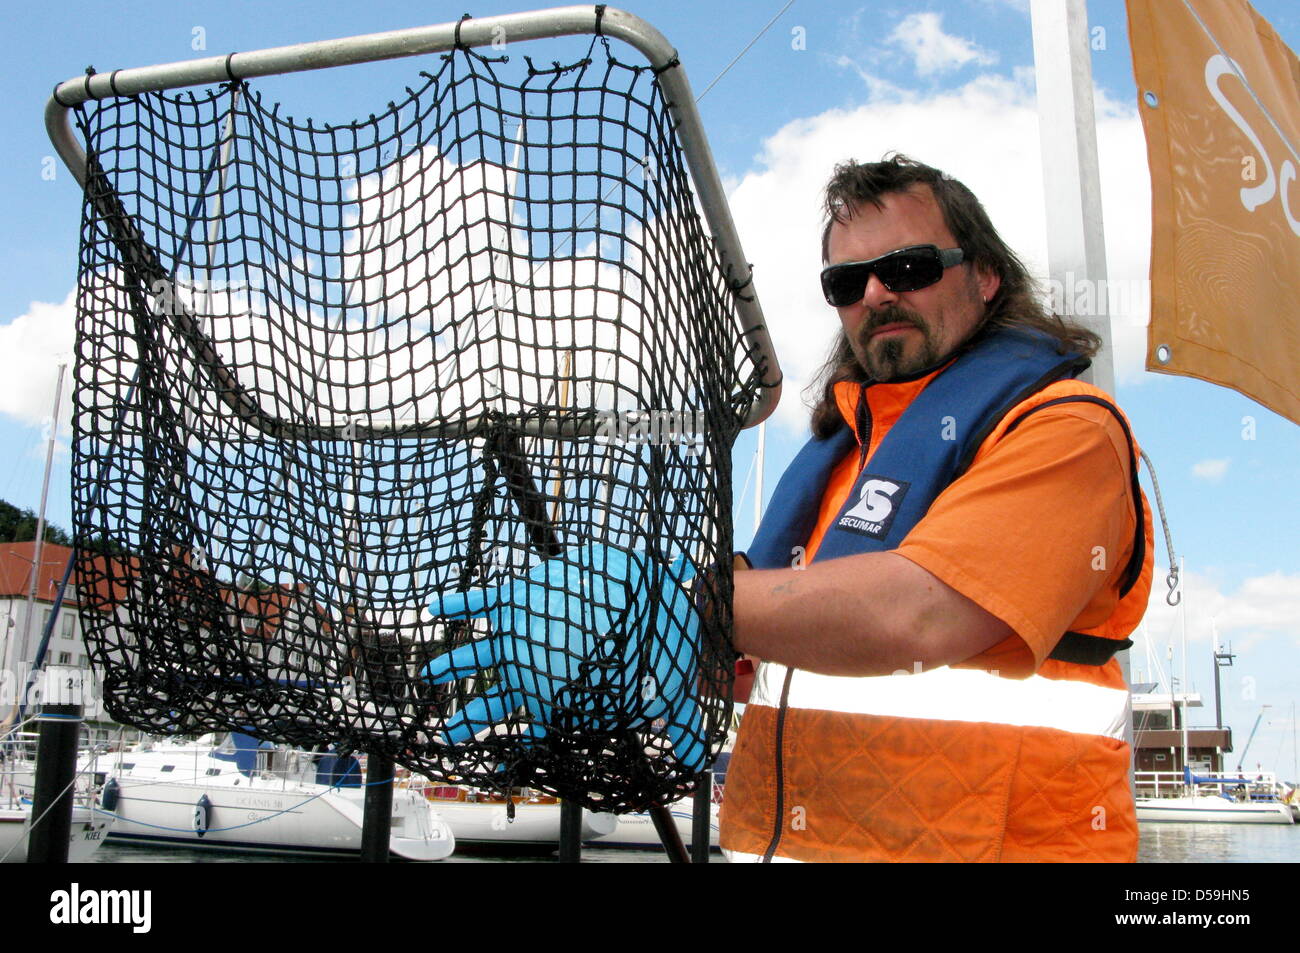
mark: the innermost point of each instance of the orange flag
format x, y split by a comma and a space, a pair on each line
1219, 94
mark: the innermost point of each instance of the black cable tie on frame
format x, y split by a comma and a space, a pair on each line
90, 71
557, 68
738, 286
230, 74
458, 44
671, 64
55, 96
112, 82
600, 15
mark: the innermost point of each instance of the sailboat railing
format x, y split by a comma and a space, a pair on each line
1256, 785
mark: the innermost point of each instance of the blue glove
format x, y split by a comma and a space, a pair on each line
565, 637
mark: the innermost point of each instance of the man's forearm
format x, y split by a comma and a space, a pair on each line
871, 614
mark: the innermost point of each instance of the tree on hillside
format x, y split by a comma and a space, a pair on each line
19, 526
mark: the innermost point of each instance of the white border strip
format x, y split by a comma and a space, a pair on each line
949, 694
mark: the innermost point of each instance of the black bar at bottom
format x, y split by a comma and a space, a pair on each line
702, 818
56, 769
378, 822
669, 835
570, 832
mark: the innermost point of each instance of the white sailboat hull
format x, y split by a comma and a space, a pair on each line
1211, 809
535, 825
294, 820
89, 831
638, 829
260, 814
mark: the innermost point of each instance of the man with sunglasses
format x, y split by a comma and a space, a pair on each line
948, 567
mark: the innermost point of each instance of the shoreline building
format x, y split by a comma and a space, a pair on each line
19, 642
1158, 734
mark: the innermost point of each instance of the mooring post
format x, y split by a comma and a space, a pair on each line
570, 832
56, 770
702, 819
377, 821
669, 835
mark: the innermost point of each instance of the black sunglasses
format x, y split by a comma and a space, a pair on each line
907, 269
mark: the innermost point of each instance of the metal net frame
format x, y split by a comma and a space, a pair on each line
478, 352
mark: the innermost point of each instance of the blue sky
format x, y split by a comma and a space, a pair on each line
950, 82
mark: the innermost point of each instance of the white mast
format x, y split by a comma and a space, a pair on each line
17, 651
1182, 622
1067, 129
1076, 244
38, 550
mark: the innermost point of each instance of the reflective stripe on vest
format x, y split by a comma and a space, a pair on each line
954, 694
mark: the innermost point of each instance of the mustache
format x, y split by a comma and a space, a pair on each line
894, 314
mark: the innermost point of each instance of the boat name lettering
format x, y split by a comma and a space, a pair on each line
270, 803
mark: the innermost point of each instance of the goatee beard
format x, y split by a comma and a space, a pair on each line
887, 359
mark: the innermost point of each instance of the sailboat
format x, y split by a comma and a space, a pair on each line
1200, 794
89, 827
1219, 798
231, 792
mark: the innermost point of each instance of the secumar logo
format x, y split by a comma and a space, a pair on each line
878, 501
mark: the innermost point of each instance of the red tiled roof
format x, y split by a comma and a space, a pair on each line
262, 611
16, 570
110, 579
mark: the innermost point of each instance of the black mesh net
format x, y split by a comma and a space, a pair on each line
413, 435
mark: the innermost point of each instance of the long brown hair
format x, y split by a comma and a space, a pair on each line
1016, 303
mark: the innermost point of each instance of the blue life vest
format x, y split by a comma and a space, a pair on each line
931, 444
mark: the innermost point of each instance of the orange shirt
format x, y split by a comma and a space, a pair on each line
1037, 531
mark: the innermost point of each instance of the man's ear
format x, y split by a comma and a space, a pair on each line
989, 282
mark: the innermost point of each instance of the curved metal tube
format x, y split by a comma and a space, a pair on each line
561, 21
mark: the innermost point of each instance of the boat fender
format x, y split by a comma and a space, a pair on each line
109, 795
202, 815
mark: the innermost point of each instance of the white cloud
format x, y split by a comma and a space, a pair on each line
439, 308
1126, 217
877, 88
1258, 622
1019, 6
986, 134
1210, 470
933, 51
38, 451
1261, 608
438, 287
33, 345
